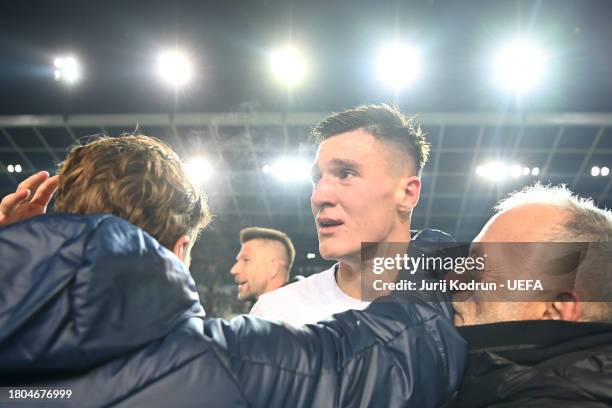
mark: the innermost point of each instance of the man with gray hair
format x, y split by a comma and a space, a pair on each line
542, 348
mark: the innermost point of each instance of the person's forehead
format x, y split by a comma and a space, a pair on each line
356, 145
531, 222
256, 246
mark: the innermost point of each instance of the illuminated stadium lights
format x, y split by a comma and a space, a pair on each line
66, 69
174, 68
597, 171
398, 65
310, 255
199, 170
289, 170
497, 171
519, 67
16, 168
288, 66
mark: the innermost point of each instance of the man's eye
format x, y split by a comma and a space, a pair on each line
346, 173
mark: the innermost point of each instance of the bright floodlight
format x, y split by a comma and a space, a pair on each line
288, 66
595, 171
199, 170
66, 69
10, 168
498, 171
516, 171
605, 171
289, 170
18, 168
493, 171
519, 67
174, 68
398, 65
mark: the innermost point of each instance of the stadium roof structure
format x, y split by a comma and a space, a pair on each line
564, 146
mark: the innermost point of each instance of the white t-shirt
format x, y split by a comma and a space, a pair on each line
307, 301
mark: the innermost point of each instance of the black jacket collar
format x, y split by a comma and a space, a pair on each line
529, 342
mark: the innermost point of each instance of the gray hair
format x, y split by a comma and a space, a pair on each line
587, 224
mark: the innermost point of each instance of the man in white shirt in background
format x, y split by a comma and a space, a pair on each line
366, 182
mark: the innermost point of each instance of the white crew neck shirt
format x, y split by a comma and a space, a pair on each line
307, 301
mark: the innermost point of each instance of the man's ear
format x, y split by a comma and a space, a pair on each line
275, 268
410, 193
181, 248
566, 306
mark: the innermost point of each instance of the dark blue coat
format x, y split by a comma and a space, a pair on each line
95, 305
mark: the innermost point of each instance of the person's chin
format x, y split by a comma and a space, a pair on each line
329, 251
244, 295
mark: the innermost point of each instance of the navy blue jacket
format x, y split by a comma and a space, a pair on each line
95, 305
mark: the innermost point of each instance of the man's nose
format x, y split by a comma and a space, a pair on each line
234, 270
323, 194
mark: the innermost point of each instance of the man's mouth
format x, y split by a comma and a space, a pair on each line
328, 225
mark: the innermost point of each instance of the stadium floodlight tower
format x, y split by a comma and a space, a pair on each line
288, 66
67, 69
398, 65
519, 67
175, 68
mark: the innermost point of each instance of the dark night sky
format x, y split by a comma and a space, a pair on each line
117, 44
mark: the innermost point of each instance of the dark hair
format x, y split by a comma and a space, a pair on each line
270, 234
137, 178
384, 122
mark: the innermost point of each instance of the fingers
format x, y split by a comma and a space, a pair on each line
18, 205
10, 202
45, 191
34, 181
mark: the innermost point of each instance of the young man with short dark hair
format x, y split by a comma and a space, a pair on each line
366, 182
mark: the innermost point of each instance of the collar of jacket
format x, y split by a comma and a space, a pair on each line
529, 342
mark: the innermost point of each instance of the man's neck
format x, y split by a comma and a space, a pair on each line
348, 279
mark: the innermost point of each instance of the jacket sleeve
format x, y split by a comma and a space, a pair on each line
396, 352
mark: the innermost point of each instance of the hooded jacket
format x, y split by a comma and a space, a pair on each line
94, 305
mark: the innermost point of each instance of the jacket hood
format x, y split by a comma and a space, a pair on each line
80, 290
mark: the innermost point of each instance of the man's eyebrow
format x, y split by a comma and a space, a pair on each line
337, 163
345, 163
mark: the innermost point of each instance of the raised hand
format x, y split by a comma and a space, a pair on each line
30, 199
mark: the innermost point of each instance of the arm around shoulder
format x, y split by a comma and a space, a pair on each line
392, 353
